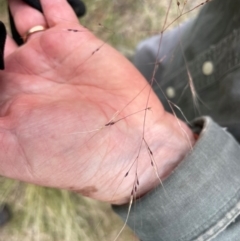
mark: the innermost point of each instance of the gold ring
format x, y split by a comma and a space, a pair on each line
35, 29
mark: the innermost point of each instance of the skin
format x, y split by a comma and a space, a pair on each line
58, 93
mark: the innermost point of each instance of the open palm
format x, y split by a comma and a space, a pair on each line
59, 92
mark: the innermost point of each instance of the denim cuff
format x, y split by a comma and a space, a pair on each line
199, 199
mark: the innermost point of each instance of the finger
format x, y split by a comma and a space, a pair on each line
10, 46
25, 17
57, 12
77, 5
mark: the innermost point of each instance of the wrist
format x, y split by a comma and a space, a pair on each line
169, 141
178, 142
142, 159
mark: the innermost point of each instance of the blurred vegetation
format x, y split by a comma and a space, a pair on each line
48, 214
124, 23
53, 215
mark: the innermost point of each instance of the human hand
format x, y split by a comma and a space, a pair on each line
77, 5
61, 94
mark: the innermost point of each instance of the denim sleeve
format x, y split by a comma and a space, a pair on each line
200, 199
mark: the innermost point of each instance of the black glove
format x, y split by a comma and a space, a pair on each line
77, 5
3, 35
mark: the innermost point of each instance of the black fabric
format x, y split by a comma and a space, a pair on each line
5, 214
3, 35
77, 5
